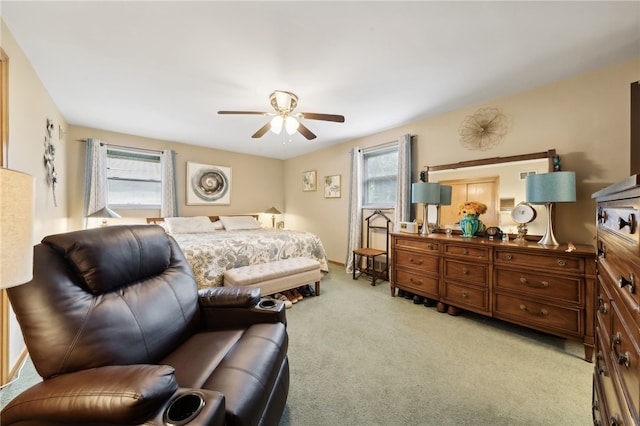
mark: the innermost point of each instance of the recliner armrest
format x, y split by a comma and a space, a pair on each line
225, 307
230, 297
121, 394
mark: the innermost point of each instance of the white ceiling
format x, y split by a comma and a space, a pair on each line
163, 69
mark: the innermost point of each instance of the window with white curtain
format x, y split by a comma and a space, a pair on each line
380, 176
134, 179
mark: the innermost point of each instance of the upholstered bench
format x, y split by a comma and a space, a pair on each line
274, 277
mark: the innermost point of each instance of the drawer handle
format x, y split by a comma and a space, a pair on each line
599, 368
414, 281
508, 257
602, 306
561, 262
602, 216
465, 251
629, 283
430, 246
541, 313
630, 222
465, 271
465, 295
416, 262
623, 359
542, 284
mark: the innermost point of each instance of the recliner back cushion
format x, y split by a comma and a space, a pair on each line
109, 258
78, 313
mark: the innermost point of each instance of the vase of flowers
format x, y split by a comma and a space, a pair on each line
470, 224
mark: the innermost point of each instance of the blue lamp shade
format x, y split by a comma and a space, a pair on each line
556, 187
425, 192
445, 195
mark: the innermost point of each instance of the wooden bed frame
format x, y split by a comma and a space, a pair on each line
211, 218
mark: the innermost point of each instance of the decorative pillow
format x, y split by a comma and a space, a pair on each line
234, 223
218, 226
189, 225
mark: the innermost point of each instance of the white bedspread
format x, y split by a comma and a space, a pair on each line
210, 254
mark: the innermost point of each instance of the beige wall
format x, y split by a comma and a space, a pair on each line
256, 182
586, 118
29, 107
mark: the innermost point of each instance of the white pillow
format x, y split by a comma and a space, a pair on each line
189, 225
218, 226
234, 223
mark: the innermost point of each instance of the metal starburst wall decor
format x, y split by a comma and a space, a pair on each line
484, 129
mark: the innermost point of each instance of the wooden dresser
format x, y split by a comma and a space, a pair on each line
616, 383
545, 288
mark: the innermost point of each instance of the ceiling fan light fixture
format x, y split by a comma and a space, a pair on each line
291, 124
276, 124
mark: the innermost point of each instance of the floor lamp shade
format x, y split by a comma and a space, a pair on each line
17, 200
549, 188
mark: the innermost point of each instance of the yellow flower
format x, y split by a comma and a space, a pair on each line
471, 207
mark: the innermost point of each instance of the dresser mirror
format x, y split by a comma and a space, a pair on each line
498, 182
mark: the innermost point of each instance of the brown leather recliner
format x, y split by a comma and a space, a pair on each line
120, 334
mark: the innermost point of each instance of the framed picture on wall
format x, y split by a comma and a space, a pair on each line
208, 184
332, 186
309, 180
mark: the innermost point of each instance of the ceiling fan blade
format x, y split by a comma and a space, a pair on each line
304, 131
262, 130
244, 112
324, 117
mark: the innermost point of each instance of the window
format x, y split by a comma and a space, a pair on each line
380, 176
134, 179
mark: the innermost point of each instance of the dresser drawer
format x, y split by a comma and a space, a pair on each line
416, 243
603, 309
625, 355
620, 218
477, 273
539, 315
604, 374
558, 262
562, 289
468, 251
419, 261
618, 270
420, 283
468, 297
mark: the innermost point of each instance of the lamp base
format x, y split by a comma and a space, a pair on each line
425, 221
548, 239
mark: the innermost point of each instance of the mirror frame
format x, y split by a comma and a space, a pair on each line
550, 155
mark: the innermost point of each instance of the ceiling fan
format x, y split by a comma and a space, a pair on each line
284, 103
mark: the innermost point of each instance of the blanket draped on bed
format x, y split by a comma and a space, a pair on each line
210, 254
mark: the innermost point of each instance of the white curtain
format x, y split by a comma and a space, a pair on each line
95, 181
355, 207
169, 204
403, 192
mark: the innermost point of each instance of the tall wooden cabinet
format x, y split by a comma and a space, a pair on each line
616, 379
544, 288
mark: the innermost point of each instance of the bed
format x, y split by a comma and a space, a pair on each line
214, 244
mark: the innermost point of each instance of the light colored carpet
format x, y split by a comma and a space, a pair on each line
360, 357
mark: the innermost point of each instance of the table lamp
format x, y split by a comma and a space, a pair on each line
549, 188
425, 193
273, 212
16, 227
105, 213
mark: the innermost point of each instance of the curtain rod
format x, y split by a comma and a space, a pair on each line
131, 148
